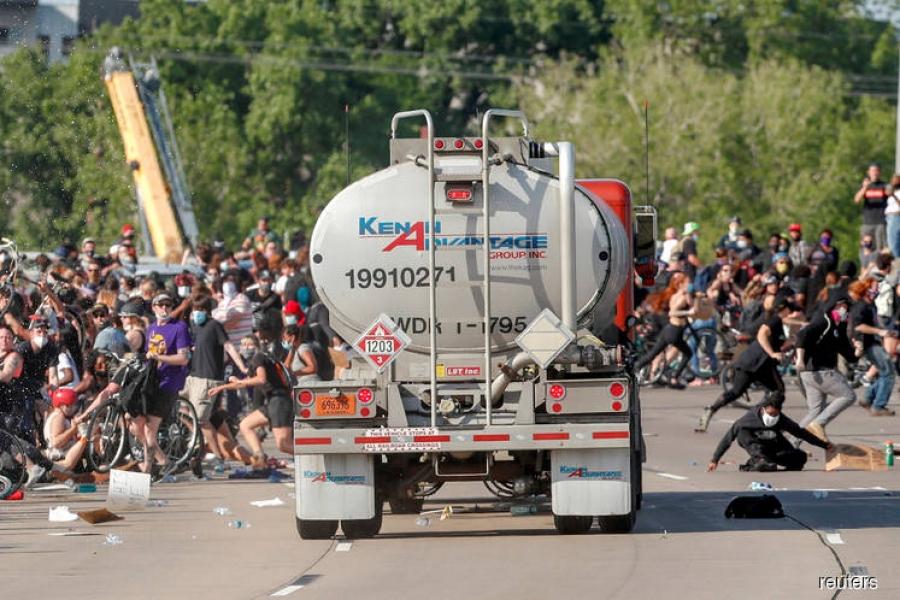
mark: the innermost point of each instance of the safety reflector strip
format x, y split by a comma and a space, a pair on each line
490, 437
431, 438
313, 441
545, 437
610, 435
375, 439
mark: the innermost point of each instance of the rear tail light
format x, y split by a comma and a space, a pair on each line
557, 391
438, 144
617, 389
459, 194
305, 414
305, 398
479, 143
616, 405
365, 396
458, 144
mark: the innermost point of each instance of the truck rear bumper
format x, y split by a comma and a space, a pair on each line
308, 440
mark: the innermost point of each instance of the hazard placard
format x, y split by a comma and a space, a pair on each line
381, 342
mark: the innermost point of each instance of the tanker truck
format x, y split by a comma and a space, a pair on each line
487, 295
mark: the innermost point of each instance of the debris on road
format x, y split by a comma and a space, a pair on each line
112, 539
98, 516
758, 486
61, 514
222, 511
266, 503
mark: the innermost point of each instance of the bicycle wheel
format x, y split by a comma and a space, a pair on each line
179, 434
106, 438
708, 344
13, 471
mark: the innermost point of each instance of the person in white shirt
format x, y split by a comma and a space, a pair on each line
669, 244
892, 216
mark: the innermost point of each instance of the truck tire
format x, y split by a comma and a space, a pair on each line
617, 523
356, 529
405, 506
316, 530
569, 525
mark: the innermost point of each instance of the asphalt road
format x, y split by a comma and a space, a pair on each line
682, 546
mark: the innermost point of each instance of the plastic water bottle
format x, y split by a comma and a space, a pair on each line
222, 511
238, 524
85, 488
423, 521
112, 540
521, 510
889, 453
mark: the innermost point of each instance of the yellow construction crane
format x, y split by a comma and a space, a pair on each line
151, 152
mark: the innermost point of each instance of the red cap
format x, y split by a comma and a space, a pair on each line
794, 227
293, 308
64, 397
127, 229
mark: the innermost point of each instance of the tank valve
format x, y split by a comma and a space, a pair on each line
447, 406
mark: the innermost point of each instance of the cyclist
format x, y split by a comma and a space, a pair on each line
677, 298
759, 363
276, 409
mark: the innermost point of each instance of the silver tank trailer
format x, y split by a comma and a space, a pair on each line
369, 255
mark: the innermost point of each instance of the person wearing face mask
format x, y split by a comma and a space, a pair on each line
207, 371
761, 433
799, 249
867, 252
266, 307
40, 355
729, 240
234, 310
824, 256
865, 326
818, 346
275, 408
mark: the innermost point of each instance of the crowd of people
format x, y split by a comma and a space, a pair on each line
798, 305
232, 332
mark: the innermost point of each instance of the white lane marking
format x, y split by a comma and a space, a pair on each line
343, 547
670, 476
287, 590
834, 538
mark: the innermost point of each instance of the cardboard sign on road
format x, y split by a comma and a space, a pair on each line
127, 490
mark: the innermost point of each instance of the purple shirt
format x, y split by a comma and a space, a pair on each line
168, 339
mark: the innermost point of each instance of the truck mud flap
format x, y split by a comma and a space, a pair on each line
335, 486
591, 481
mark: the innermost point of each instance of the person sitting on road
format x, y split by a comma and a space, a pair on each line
65, 431
276, 409
759, 363
761, 433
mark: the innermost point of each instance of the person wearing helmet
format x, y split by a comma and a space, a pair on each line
65, 430
134, 326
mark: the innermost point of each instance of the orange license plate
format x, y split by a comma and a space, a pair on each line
342, 406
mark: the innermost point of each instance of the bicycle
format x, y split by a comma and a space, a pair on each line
13, 469
109, 435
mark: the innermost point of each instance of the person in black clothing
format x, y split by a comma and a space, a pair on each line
277, 407
208, 369
759, 363
761, 433
873, 194
818, 346
266, 307
39, 353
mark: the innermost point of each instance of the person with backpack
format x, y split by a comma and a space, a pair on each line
275, 409
300, 359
